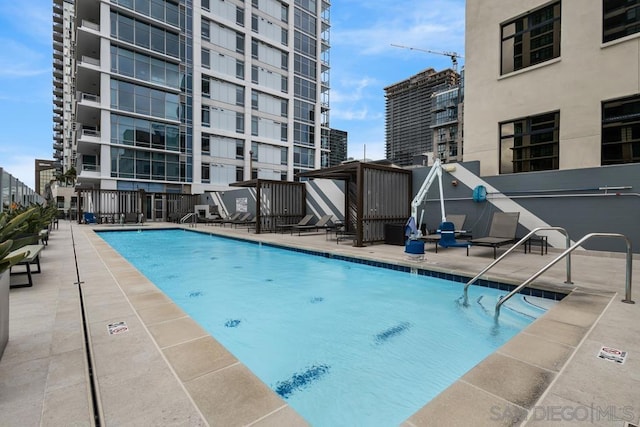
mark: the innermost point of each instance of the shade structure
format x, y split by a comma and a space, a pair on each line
277, 202
375, 195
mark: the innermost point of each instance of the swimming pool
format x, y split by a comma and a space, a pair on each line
342, 343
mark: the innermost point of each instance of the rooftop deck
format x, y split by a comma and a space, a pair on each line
166, 370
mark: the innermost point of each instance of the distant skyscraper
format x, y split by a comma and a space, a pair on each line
447, 105
184, 96
338, 145
409, 114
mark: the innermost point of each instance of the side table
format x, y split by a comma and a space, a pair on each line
539, 240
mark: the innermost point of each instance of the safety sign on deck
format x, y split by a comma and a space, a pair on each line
118, 328
612, 354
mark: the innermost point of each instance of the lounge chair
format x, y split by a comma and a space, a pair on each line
222, 221
458, 222
322, 223
504, 226
448, 237
247, 220
240, 218
306, 220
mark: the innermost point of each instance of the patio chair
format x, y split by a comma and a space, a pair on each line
306, 220
322, 223
89, 218
504, 226
458, 221
448, 238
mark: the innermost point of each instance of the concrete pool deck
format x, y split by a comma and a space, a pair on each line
166, 370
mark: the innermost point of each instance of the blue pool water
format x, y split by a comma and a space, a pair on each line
344, 344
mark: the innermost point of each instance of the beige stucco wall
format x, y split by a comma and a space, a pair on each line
586, 73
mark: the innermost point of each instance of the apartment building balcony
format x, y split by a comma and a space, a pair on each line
89, 61
87, 137
58, 155
88, 99
57, 146
89, 10
87, 170
88, 39
57, 15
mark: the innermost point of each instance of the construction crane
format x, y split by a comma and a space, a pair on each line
453, 55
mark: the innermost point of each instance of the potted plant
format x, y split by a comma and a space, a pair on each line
10, 227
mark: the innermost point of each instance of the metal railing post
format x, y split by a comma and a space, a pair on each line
511, 249
627, 298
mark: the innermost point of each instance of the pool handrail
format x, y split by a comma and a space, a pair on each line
627, 299
511, 249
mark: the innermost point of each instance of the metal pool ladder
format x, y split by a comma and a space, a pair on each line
511, 249
627, 299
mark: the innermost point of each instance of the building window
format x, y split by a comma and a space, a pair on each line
531, 39
206, 58
206, 115
530, 144
206, 173
206, 32
621, 131
206, 87
239, 173
205, 144
620, 18
239, 149
240, 16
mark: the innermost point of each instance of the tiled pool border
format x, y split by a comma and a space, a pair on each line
530, 291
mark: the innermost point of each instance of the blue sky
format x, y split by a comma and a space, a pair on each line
363, 62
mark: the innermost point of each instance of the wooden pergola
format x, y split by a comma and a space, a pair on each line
376, 195
277, 202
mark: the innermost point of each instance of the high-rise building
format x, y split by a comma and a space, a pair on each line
64, 149
551, 85
338, 145
447, 106
190, 96
409, 114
